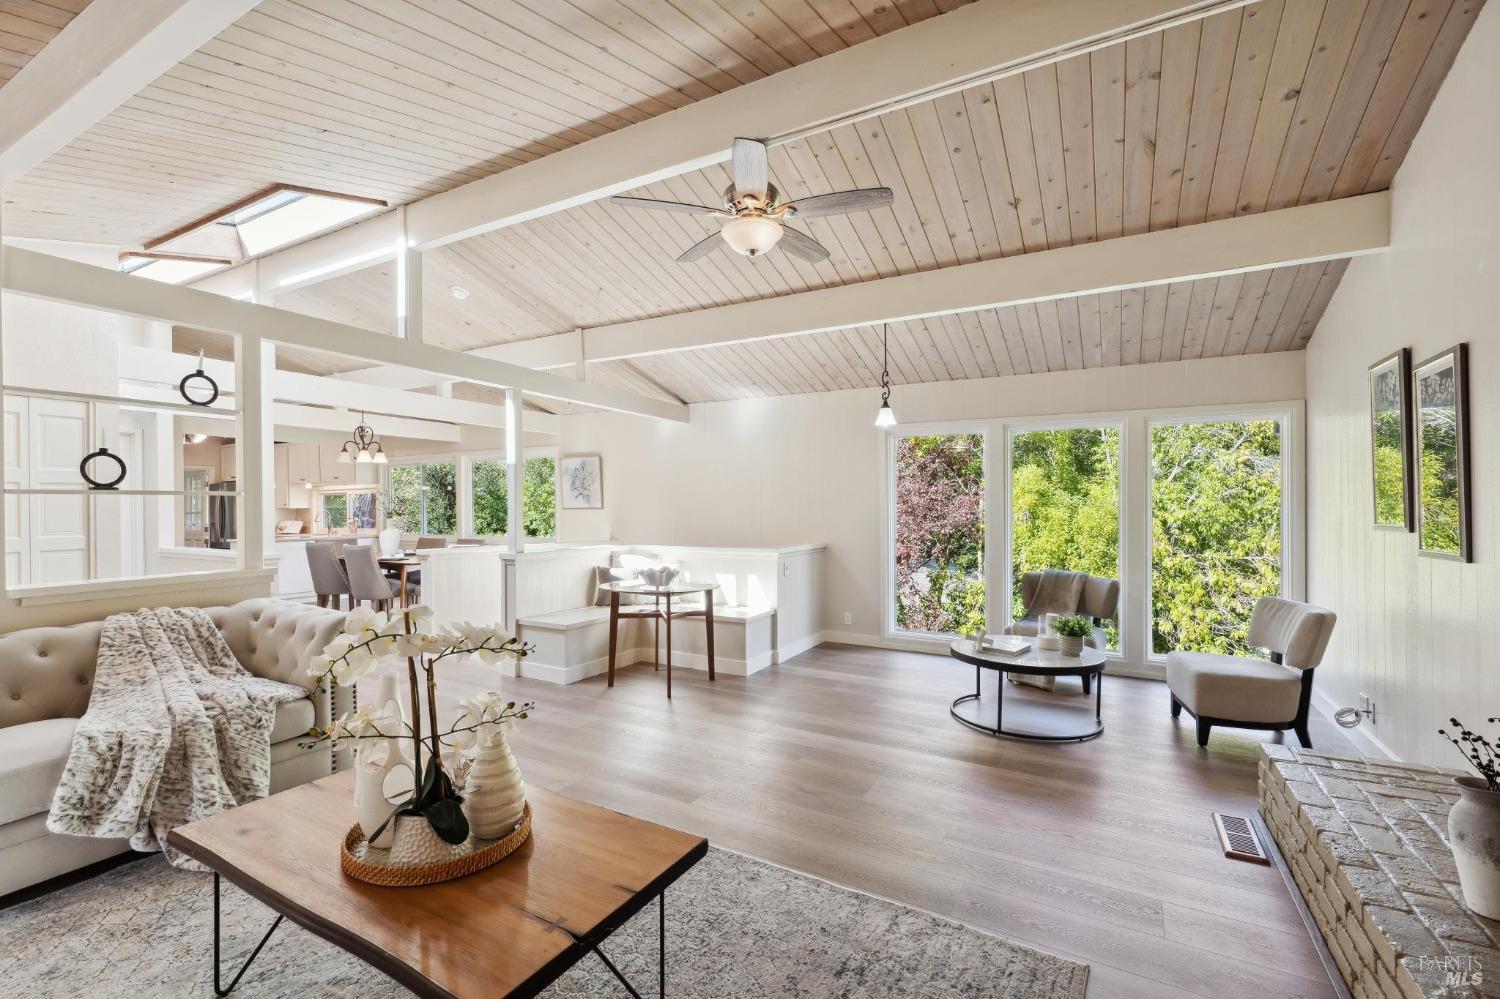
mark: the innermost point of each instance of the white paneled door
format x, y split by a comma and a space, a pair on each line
59, 528
17, 509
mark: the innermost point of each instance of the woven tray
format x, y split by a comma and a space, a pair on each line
392, 876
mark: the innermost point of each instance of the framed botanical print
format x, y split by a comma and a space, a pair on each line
1390, 441
1440, 401
582, 482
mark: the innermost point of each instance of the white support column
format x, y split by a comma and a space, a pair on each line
515, 469
1135, 539
997, 581
408, 288
254, 359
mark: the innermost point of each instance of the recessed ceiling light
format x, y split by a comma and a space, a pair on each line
459, 292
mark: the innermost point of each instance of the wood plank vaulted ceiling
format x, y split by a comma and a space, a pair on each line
1270, 105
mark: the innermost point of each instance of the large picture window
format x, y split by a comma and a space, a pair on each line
1065, 505
1216, 531
424, 497
939, 533
490, 498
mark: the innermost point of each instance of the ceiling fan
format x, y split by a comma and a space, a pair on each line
755, 214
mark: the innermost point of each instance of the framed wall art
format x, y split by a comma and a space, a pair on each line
1440, 406
1391, 441
582, 481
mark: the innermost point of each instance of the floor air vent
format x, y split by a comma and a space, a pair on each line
1238, 839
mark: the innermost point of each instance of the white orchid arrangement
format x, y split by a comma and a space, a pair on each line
371, 639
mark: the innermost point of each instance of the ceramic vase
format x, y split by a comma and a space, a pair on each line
415, 843
390, 542
1070, 645
1474, 832
494, 795
374, 762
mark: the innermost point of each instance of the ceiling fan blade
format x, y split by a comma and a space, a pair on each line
864, 200
661, 206
700, 249
751, 174
802, 246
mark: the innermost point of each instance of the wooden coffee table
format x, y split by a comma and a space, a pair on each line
509, 930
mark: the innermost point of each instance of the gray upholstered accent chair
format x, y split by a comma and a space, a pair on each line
366, 580
329, 582
1245, 692
1095, 597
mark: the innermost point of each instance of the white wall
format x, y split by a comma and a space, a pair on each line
1416, 634
806, 469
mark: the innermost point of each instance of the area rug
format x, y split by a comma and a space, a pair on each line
737, 928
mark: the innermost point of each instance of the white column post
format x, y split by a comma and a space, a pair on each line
1135, 540
997, 581
408, 287
515, 467
254, 360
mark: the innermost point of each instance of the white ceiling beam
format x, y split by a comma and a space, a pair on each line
312, 418
984, 40
37, 275
104, 56
158, 366
1333, 229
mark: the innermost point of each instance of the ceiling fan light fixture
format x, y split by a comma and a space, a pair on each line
751, 235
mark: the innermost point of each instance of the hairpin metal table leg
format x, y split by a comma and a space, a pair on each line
661, 966
224, 990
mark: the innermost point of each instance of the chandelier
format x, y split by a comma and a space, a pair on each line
363, 448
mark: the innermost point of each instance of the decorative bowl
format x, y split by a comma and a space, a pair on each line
660, 576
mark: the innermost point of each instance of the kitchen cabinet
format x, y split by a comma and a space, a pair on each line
293, 575
334, 471
302, 464
289, 495
227, 472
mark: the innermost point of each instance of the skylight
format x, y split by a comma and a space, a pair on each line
287, 217
269, 220
170, 270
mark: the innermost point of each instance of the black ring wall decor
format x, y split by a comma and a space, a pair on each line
103, 452
182, 386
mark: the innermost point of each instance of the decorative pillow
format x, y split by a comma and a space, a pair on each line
606, 574
633, 563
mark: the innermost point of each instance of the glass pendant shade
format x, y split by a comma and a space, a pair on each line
380, 458
751, 235
343, 458
885, 416
364, 456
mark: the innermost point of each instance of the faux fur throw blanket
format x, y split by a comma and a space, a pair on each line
176, 730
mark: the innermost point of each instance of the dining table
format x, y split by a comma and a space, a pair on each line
402, 564
662, 612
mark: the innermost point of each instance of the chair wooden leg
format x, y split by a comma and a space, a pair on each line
1203, 728
1176, 707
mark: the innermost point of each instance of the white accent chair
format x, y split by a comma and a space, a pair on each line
1095, 597
1246, 692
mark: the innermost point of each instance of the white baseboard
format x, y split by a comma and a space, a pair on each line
1364, 740
554, 673
796, 647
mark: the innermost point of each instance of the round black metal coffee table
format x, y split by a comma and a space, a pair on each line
1042, 723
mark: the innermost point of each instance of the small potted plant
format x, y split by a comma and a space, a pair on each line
1474, 821
1071, 631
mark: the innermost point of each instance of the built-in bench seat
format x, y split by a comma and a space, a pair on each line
573, 644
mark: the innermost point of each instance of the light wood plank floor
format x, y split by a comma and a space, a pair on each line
844, 763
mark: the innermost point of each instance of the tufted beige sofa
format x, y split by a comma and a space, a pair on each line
45, 678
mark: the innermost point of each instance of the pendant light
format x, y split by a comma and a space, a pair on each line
364, 448
885, 416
